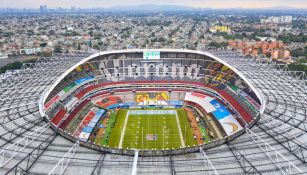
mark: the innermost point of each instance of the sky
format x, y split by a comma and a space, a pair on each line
192, 3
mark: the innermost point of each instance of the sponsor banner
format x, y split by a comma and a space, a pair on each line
176, 103
145, 103
70, 86
248, 98
121, 105
81, 80
50, 102
151, 55
92, 124
220, 112
100, 112
230, 125
201, 99
87, 129
84, 136
95, 119
198, 95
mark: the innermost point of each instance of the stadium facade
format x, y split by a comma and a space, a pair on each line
272, 139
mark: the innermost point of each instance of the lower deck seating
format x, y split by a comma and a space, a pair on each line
73, 113
108, 101
58, 116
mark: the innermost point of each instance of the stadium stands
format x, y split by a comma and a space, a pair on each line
73, 113
58, 116
281, 127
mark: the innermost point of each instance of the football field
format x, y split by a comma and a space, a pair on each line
151, 129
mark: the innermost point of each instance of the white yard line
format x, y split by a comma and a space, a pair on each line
179, 130
123, 132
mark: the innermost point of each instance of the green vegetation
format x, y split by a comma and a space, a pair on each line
14, 65
239, 36
57, 49
301, 64
301, 52
298, 67
72, 33
218, 44
301, 38
11, 66
106, 136
141, 131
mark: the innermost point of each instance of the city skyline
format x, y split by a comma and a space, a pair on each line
192, 3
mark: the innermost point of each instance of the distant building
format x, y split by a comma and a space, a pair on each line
43, 9
70, 28
3, 56
286, 19
215, 29
32, 51
276, 49
274, 54
274, 19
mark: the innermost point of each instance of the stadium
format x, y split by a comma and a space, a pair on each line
149, 111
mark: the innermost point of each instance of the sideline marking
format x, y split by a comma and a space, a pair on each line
123, 132
179, 129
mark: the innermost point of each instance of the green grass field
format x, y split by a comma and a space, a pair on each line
159, 129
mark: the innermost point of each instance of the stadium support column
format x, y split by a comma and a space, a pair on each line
135, 163
62, 165
7, 154
286, 167
208, 164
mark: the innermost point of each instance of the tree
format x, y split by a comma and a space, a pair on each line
268, 54
218, 45
51, 32
45, 54
14, 65
298, 67
57, 49
91, 33
96, 47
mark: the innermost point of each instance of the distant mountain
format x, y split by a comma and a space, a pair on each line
153, 7
170, 7
280, 8
157, 8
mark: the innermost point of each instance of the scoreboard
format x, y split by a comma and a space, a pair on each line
151, 55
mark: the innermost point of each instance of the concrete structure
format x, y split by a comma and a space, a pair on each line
275, 145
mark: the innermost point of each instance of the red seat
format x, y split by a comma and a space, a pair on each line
73, 114
58, 116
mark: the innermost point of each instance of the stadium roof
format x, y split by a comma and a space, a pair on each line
276, 144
